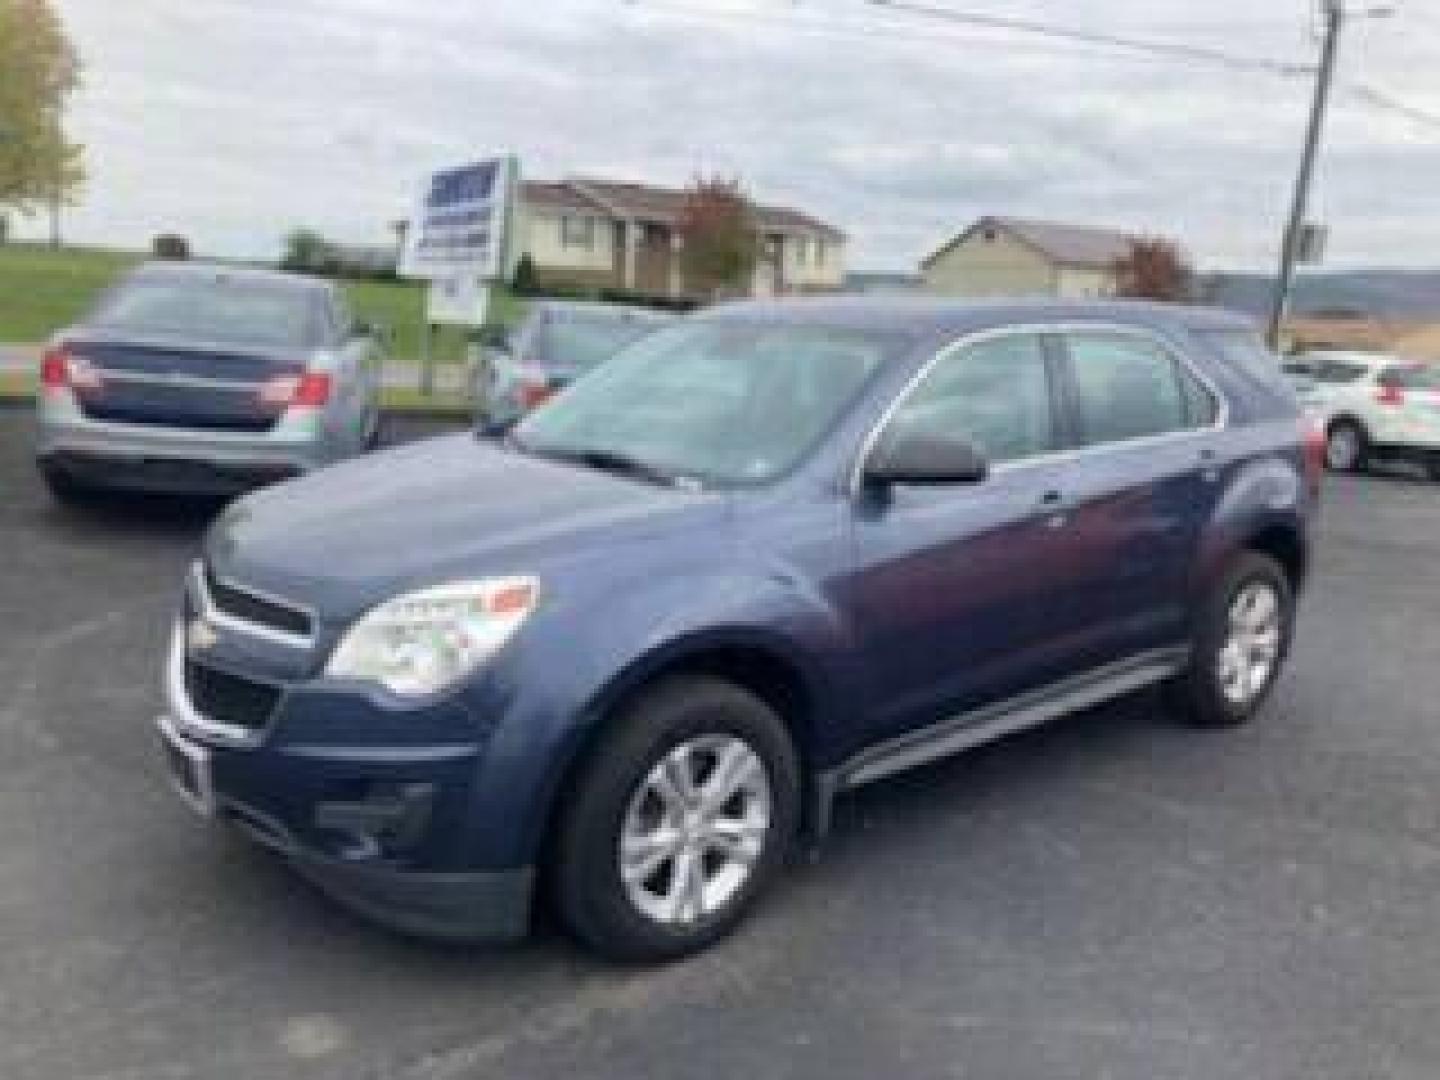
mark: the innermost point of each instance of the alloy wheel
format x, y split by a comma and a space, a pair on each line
1342, 448
1251, 650
695, 830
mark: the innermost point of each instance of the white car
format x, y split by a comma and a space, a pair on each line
1374, 407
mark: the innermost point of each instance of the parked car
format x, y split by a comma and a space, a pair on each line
200, 377
776, 551
1374, 407
557, 343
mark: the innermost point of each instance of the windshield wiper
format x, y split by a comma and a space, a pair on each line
611, 461
623, 464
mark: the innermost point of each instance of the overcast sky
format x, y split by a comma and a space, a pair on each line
233, 121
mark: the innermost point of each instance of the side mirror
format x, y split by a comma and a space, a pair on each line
916, 458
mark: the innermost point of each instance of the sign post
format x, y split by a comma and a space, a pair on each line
459, 241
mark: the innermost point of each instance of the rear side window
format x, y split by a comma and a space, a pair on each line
994, 393
1339, 372
1129, 388
1245, 351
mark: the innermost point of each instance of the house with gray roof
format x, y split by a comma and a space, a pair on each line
602, 234
1011, 256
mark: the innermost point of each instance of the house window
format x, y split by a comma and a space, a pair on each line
802, 251
819, 252
577, 232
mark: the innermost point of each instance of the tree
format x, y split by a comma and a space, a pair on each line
1154, 269
718, 234
525, 282
170, 246
307, 252
39, 70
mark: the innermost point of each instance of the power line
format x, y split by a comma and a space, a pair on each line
1387, 102
1137, 51
1172, 50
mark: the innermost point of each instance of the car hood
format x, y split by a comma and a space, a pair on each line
346, 537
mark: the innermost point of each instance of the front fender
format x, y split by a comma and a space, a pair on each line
587, 655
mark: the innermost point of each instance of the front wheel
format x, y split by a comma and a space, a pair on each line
681, 817
1242, 638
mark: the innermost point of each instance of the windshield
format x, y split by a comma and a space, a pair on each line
725, 402
229, 312
580, 343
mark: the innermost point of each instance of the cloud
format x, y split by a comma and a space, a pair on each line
235, 120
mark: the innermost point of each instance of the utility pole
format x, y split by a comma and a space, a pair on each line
1290, 250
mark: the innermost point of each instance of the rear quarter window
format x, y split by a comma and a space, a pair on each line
1245, 352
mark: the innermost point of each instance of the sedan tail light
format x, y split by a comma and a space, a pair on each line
535, 387
535, 394
309, 390
1390, 395
60, 368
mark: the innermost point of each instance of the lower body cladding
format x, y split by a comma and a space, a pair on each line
381, 828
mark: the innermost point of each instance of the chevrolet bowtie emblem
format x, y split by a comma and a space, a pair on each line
200, 635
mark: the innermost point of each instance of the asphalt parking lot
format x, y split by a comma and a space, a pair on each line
1112, 897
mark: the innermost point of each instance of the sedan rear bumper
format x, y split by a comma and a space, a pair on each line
169, 459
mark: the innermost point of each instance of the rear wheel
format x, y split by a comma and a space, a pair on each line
680, 819
1241, 641
1347, 447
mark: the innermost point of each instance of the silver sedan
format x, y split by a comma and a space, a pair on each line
199, 377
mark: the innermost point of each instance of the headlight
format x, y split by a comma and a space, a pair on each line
424, 641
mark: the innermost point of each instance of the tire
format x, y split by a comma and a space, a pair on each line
614, 800
1208, 693
375, 434
67, 491
1347, 447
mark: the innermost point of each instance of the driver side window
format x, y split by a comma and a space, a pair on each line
995, 393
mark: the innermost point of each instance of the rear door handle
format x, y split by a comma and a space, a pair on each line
1053, 501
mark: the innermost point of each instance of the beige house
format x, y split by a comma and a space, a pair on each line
607, 235
1006, 256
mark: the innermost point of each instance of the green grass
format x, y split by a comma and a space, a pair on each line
400, 308
17, 384
402, 399
43, 290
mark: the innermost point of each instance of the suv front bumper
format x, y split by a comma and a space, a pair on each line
363, 823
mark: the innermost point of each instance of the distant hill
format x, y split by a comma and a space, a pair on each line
1407, 295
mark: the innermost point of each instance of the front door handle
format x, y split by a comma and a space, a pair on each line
1209, 464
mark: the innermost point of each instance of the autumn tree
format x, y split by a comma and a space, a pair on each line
39, 70
1154, 269
720, 245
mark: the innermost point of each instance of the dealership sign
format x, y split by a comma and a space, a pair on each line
459, 235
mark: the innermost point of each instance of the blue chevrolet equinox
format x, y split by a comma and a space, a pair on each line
626, 659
